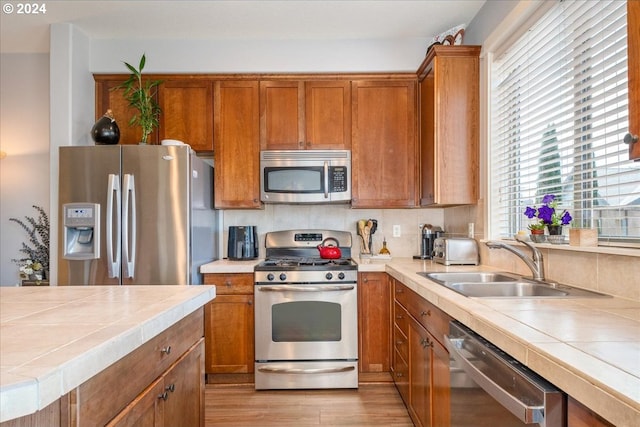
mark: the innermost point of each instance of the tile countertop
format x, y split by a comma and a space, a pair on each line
52, 339
588, 347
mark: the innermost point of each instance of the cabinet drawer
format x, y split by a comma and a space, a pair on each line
401, 318
229, 284
428, 315
400, 343
401, 376
99, 399
401, 293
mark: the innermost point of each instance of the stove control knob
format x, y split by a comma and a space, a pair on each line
270, 277
283, 277
341, 276
329, 276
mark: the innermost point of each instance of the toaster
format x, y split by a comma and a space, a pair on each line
455, 251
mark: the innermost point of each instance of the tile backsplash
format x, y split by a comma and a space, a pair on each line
276, 217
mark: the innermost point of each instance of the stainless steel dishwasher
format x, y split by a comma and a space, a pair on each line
490, 388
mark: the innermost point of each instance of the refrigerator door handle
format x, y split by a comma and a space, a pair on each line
113, 192
129, 246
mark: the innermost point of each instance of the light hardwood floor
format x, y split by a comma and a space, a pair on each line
242, 406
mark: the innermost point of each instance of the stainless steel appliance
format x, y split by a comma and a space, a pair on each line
242, 242
456, 251
135, 215
306, 324
490, 388
428, 235
305, 176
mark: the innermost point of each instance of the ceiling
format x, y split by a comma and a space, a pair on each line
235, 20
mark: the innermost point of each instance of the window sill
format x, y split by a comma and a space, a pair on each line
605, 250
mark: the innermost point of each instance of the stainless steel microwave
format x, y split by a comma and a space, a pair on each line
305, 176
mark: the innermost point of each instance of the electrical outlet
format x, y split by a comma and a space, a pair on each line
471, 231
397, 231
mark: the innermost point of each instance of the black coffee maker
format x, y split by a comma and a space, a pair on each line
428, 235
243, 242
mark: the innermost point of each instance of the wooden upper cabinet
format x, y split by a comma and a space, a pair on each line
107, 98
328, 115
384, 147
237, 144
187, 113
633, 49
298, 115
449, 126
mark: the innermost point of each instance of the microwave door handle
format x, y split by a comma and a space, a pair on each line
326, 179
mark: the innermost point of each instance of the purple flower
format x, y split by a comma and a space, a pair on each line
548, 199
530, 212
545, 213
566, 218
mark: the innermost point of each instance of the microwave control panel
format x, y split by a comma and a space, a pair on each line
338, 179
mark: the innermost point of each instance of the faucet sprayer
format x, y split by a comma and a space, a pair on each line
535, 263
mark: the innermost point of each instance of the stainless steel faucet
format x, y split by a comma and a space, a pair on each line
535, 263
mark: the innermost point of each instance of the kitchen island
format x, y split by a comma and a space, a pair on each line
55, 340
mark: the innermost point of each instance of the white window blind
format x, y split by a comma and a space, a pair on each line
559, 116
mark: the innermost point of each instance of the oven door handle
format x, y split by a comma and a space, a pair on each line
529, 414
305, 288
305, 371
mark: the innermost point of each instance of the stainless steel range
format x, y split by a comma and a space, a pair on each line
306, 307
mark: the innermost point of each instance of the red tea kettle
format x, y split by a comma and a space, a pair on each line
329, 252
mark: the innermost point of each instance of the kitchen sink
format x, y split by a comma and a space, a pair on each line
482, 284
506, 289
471, 276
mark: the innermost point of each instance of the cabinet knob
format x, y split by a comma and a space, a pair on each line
227, 283
399, 375
250, 302
164, 396
400, 316
365, 280
425, 313
166, 350
300, 143
171, 388
630, 139
400, 342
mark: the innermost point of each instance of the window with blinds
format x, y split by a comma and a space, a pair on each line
559, 116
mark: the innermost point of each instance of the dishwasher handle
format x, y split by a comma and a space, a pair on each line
529, 414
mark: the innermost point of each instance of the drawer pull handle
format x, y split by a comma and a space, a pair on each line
400, 316
164, 396
400, 342
425, 313
166, 350
399, 375
171, 388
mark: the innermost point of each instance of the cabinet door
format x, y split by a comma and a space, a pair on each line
633, 49
328, 115
187, 113
108, 98
374, 326
281, 115
449, 123
184, 388
419, 374
384, 145
229, 326
236, 144
145, 411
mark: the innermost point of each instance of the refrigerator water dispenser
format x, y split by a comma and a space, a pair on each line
81, 231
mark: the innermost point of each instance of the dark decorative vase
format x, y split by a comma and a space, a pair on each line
106, 131
554, 230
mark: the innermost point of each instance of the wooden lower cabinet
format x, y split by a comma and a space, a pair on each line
579, 415
229, 329
374, 327
174, 399
420, 366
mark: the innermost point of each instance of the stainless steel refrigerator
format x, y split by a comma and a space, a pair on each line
135, 215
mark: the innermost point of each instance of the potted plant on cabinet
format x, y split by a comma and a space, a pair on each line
142, 96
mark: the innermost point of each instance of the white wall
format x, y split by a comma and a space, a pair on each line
24, 137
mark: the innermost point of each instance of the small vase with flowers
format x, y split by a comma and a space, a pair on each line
548, 218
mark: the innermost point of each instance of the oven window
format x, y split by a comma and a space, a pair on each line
306, 321
294, 180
